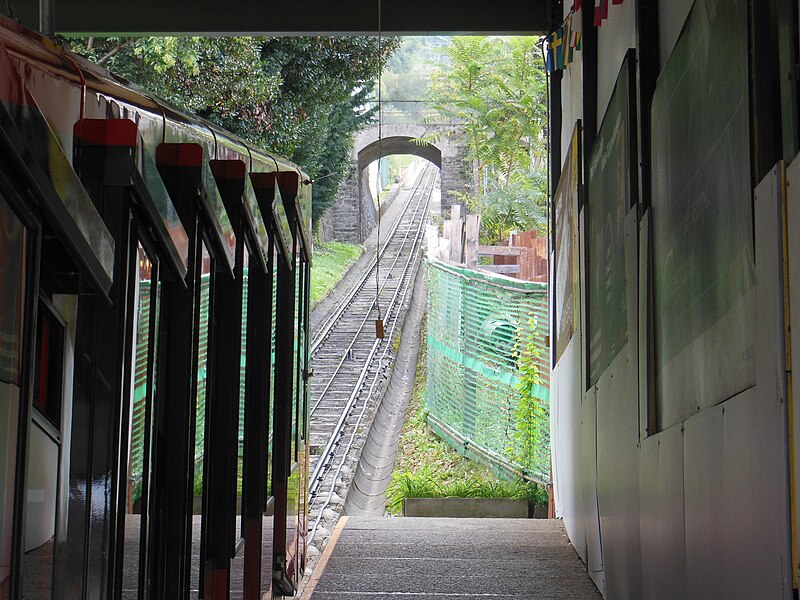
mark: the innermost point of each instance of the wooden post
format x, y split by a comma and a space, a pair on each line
471, 246
456, 234
432, 237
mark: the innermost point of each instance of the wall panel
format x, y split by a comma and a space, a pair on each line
736, 517
755, 539
565, 417
793, 216
618, 446
763, 422
704, 518
618, 477
588, 488
663, 543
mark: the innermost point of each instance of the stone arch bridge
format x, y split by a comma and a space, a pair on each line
353, 215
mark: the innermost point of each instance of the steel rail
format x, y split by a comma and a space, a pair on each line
320, 336
425, 194
368, 310
368, 362
329, 455
353, 433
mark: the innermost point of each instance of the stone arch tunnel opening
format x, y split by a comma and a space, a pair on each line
382, 171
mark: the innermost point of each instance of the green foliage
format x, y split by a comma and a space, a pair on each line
427, 483
496, 89
428, 467
197, 484
302, 97
505, 209
405, 81
331, 260
529, 415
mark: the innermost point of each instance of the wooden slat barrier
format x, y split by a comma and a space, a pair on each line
525, 258
503, 269
499, 251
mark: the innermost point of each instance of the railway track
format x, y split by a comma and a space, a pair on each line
350, 362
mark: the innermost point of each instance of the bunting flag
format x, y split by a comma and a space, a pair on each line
600, 12
558, 47
576, 5
549, 63
577, 41
567, 38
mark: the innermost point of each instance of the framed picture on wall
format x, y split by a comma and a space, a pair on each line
565, 245
612, 184
704, 280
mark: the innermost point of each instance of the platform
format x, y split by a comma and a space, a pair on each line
458, 559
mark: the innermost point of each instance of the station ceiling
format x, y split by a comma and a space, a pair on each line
298, 17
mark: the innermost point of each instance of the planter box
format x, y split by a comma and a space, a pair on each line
466, 507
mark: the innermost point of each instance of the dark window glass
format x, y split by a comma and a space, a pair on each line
137, 514
49, 365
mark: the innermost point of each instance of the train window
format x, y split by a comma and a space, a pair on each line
300, 354
272, 367
306, 359
204, 325
296, 358
202, 366
137, 514
242, 365
12, 292
47, 389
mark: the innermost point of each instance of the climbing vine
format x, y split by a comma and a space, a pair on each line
529, 435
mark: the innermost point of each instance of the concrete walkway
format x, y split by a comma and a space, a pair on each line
417, 558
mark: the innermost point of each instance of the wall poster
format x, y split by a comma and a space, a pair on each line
704, 271
612, 190
566, 246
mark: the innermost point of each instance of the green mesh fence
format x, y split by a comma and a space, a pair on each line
140, 384
488, 372
140, 378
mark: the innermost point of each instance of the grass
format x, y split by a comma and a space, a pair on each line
426, 483
331, 261
428, 467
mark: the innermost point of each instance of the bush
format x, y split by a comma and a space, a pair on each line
426, 483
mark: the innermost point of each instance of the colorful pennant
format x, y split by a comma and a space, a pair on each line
600, 12
561, 46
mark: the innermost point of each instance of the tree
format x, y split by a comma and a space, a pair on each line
406, 78
496, 88
301, 97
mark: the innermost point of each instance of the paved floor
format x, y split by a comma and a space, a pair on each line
415, 558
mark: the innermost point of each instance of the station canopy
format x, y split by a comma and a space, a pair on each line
297, 17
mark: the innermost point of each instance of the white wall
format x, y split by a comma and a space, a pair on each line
614, 37
697, 510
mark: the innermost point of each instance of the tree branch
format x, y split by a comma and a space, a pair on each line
120, 45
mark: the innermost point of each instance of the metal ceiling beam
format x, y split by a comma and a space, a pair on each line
270, 17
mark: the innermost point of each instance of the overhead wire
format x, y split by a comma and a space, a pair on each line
379, 321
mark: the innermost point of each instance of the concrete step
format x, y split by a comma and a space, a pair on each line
415, 558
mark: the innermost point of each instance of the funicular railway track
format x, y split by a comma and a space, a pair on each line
349, 361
